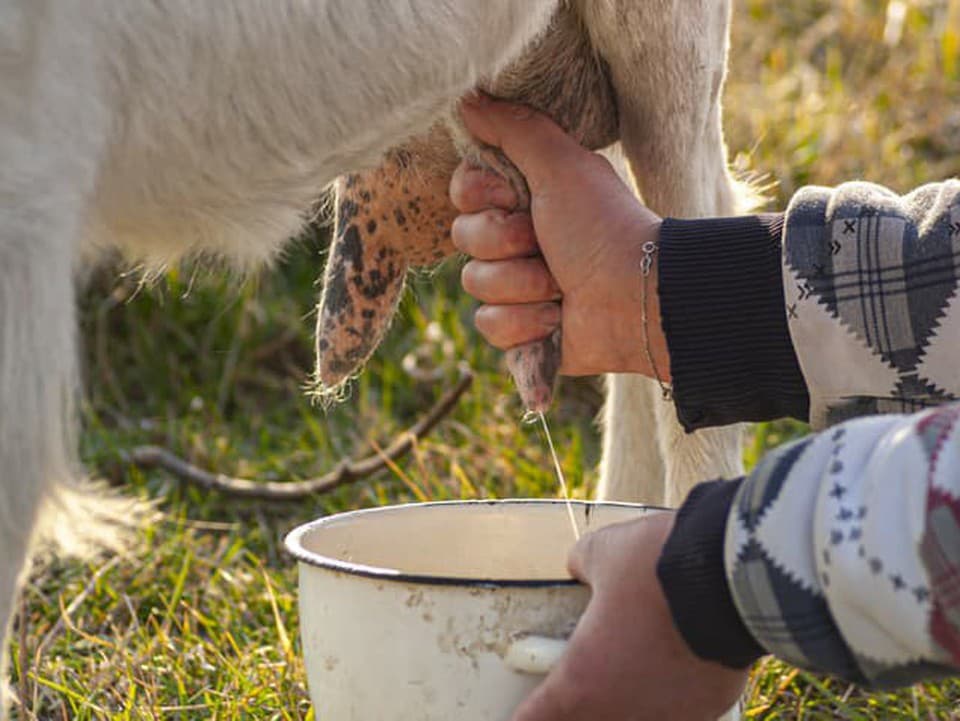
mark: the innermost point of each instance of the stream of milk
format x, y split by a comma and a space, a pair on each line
559, 471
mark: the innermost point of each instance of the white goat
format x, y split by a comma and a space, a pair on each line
184, 127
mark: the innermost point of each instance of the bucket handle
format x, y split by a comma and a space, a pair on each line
534, 655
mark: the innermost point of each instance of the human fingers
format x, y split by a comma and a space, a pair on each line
532, 141
507, 326
473, 189
494, 235
517, 280
578, 559
603, 552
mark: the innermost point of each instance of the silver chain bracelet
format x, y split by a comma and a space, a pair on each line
650, 249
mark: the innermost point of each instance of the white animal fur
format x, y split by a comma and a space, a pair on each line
668, 86
207, 128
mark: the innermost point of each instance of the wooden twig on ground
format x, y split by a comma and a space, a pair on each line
347, 471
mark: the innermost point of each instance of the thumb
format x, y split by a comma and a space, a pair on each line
578, 560
532, 141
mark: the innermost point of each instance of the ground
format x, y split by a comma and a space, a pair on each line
199, 621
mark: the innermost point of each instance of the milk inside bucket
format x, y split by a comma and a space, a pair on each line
438, 611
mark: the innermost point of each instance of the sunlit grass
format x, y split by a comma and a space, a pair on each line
199, 621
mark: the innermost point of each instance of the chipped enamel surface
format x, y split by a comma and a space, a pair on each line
413, 613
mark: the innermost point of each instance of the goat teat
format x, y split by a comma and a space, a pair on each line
388, 220
399, 215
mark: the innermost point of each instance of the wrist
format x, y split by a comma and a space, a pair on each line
655, 359
641, 345
603, 316
693, 579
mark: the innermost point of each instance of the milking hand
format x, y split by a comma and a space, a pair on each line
535, 365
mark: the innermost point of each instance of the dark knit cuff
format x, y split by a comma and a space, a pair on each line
723, 313
694, 581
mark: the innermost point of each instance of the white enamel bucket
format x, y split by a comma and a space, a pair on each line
438, 611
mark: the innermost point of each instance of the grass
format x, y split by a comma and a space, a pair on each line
200, 620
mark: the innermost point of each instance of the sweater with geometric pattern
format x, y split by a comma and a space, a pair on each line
840, 552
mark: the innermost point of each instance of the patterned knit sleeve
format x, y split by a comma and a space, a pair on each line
840, 553
842, 550
870, 285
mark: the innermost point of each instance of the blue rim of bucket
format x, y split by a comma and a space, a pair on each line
294, 546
